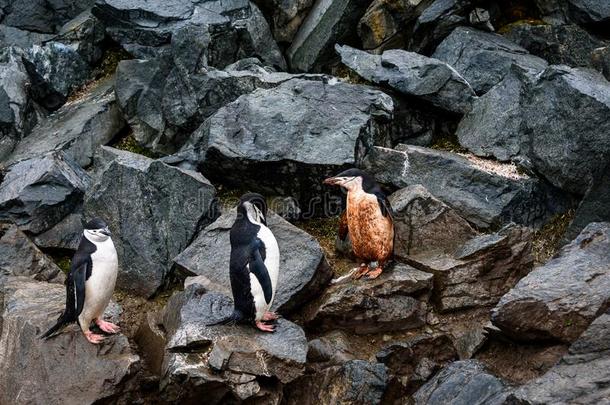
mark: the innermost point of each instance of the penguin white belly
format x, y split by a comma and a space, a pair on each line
272, 263
100, 285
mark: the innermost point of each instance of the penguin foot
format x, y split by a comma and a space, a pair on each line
270, 316
374, 273
360, 271
264, 327
94, 338
107, 326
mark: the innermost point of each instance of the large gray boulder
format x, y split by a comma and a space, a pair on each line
396, 300
486, 195
39, 192
237, 360
304, 271
561, 298
357, 382
483, 58
66, 234
481, 271
66, 369
589, 11
412, 74
45, 16
250, 143
166, 207
463, 382
78, 128
11, 36
85, 34
166, 99
234, 29
555, 124
328, 23
582, 376
20, 257
424, 225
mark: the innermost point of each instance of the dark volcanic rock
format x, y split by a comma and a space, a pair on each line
480, 271
145, 28
463, 382
66, 234
412, 362
423, 225
285, 17
328, 23
557, 44
581, 377
11, 36
41, 15
483, 58
396, 300
303, 268
555, 125
233, 359
85, 34
167, 206
356, 382
412, 74
382, 26
589, 11
332, 348
39, 192
20, 257
66, 369
560, 299
600, 60
476, 193
78, 128
250, 143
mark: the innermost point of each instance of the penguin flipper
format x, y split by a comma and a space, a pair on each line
258, 268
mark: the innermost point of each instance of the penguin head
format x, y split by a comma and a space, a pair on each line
352, 180
253, 207
97, 230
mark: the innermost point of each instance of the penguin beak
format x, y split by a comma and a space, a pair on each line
106, 232
337, 181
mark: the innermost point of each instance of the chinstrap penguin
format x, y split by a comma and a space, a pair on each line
369, 221
91, 282
254, 265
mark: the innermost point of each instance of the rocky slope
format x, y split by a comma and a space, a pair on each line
485, 122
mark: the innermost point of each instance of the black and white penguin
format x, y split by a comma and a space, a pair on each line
254, 265
91, 282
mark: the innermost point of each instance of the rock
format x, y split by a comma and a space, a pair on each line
396, 300
164, 102
20, 257
481, 271
55, 70
481, 19
38, 193
553, 126
146, 29
463, 382
68, 363
486, 195
483, 59
45, 16
436, 22
78, 128
412, 362
412, 74
581, 376
285, 17
11, 36
303, 267
383, 22
594, 207
600, 60
424, 225
85, 35
468, 342
333, 348
151, 341
355, 382
167, 206
66, 234
561, 298
249, 143
328, 23
589, 12
236, 360
557, 44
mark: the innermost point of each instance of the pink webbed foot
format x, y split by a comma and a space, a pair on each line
264, 327
270, 316
107, 326
94, 338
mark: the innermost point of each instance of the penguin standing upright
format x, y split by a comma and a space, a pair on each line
91, 282
254, 265
369, 221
